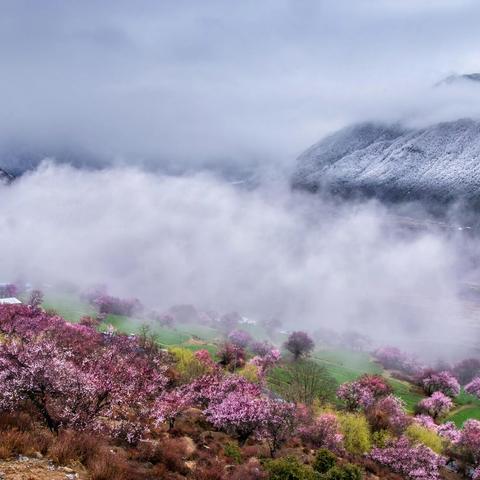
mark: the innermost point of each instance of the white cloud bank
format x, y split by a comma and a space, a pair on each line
267, 252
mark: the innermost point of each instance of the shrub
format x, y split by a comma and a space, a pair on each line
344, 472
252, 470
419, 434
324, 461
13, 442
381, 438
356, 433
70, 447
232, 450
109, 467
187, 365
250, 373
168, 452
289, 468
231, 356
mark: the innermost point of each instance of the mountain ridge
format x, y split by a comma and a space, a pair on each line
439, 163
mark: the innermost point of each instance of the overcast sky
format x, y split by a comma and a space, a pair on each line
199, 82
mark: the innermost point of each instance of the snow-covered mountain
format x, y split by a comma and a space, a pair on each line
439, 163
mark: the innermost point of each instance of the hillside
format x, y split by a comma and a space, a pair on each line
436, 165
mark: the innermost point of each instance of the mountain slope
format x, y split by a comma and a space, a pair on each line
439, 163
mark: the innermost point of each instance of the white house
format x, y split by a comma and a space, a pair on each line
9, 301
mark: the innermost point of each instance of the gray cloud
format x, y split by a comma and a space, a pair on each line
185, 83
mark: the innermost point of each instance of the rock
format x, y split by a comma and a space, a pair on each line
71, 476
189, 446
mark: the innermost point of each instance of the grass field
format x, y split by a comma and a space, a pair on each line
69, 307
346, 365
468, 406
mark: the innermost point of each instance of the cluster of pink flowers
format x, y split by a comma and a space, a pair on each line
473, 387
443, 382
170, 405
362, 393
391, 410
204, 357
447, 430
266, 362
355, 396
470, 440
240, 338
234, 405
71, 374
394, 359
437, 405
261, 348
322, 432
416, 462
108, 304
215, 387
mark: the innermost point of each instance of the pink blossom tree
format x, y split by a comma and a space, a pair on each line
388, 413
394, 359
416, 462
279, 423
240, 338
170, 405
322, 432
443, 382
437, 405
355, 395
237, 414
470, 441
71, 375
473, 387
266, 362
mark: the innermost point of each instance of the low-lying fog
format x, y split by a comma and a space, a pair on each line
264, 252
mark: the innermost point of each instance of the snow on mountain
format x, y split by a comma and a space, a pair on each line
439, 163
